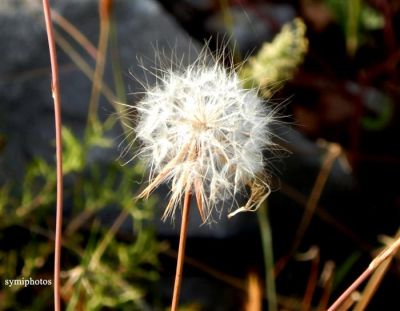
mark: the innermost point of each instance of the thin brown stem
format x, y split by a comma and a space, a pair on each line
83, 66
312, 280
181, 251
372, 285
55, 86
75, 33
389, 251
213, 272
105, 7
333, 152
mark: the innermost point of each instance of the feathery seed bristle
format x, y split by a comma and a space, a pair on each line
201, 131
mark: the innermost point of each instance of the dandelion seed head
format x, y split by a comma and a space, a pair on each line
201, 131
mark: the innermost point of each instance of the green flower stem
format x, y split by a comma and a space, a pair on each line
266, 238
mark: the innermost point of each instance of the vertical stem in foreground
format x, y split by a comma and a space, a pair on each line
266, 238
181, 251
55, 87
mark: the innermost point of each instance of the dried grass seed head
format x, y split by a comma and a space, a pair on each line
201, 131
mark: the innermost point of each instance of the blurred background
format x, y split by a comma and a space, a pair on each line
332, 69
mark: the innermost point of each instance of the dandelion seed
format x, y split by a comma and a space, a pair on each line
201, 131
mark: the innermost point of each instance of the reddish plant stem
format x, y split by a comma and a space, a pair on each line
55, 88
181, 251
350, 290
389, 251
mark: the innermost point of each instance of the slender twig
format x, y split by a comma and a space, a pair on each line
181, 251
333, 151
85, 43
324, 216
372, 285
75, 33
105, 7
83, 66
389, 251
314, 256
326, 283
55, 85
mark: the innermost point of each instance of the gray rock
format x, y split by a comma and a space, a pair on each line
26, 113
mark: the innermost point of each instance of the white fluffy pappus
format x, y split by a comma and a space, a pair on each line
201, 131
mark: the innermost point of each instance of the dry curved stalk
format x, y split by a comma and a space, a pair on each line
374, 282
75, 33
333, 151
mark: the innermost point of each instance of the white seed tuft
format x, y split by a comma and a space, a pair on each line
202, 132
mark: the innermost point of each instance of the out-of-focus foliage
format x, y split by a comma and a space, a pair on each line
98, 271
276, 61
355, 17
